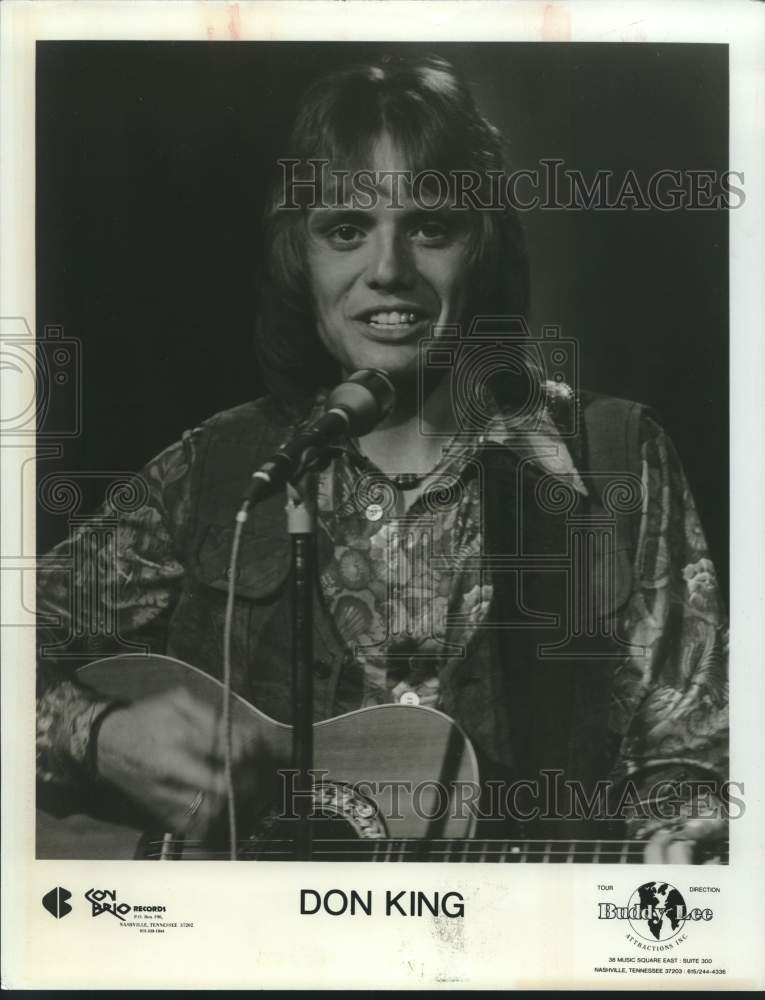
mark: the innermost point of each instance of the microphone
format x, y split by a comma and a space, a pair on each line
353, 408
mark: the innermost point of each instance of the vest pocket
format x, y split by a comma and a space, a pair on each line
262, 565
195, 634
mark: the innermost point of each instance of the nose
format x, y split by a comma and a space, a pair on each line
391, 265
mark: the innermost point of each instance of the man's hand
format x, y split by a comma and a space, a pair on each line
167, 754
677, 846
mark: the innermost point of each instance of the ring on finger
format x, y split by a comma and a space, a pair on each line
193, 806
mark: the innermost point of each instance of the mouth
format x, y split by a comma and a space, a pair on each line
393, 323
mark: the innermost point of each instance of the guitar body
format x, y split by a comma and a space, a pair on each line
361, 758
398, 755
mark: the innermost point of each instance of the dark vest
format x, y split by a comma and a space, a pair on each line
534, 691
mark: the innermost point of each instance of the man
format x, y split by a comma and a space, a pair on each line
358, 278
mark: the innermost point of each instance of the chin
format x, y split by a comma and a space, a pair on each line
403, 378
400, 366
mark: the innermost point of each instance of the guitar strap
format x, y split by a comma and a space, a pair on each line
612, 461
556, 679
611, 445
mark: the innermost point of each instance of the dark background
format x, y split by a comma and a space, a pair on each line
151, 165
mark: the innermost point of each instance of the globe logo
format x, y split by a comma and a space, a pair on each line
657, 911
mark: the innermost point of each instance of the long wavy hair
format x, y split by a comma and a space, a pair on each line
427, 110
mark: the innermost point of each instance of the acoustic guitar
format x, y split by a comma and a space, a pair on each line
393, 783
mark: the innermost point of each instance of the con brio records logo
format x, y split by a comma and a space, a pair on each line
148, 918
656, 917
56, 902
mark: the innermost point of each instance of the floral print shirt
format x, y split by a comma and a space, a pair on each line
402, 623
394, 602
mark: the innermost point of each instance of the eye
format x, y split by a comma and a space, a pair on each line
432, 232
345, 236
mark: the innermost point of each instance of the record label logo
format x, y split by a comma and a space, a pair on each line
55, 902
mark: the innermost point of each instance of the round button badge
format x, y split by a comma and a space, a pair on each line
409, 698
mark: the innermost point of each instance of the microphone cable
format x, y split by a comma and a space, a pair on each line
228, 624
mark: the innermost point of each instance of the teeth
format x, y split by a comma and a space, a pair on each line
392, 318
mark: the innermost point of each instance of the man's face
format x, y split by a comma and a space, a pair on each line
380, 278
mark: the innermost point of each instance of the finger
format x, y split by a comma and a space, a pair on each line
201, 736
245, 749
245, 781
170, 727
195, 814
679, 852
182, 701
185, 773
179, 812
705, 829
656, 847
201, 714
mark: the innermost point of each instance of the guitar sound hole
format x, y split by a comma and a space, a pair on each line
343, 822
333, 838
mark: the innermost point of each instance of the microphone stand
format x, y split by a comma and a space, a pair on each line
301, 526
359, 403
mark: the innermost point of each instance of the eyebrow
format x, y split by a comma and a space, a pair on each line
338, 216
334, 216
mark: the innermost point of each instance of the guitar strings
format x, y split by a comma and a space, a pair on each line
475, 844
616, 857
533, 857
604, 852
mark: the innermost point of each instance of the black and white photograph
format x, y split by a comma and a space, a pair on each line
507, 599
380, 477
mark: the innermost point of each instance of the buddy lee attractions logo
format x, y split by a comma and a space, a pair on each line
656, 912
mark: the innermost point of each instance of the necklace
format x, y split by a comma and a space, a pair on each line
407, 480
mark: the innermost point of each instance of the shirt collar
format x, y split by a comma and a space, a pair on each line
533, 437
